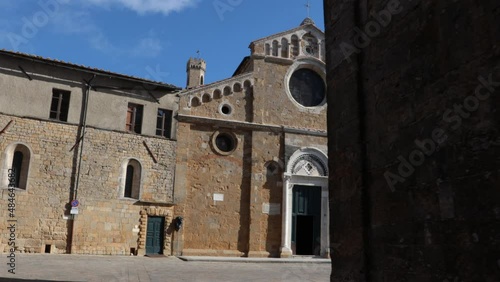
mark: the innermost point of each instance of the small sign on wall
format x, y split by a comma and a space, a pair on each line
218, 198
271, 208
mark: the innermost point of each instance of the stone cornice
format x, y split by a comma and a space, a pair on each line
249, 125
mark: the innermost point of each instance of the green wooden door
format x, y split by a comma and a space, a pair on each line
154, 235
306, 219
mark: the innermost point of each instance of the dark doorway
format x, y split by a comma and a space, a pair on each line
306, 219
305, 235
154, 235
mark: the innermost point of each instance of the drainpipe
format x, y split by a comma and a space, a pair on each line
82, 140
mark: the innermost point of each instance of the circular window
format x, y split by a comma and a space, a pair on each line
307, 87
226, 109
224, 143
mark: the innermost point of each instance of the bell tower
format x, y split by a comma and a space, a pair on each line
195, 72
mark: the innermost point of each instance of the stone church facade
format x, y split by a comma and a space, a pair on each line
102, 163
251, 175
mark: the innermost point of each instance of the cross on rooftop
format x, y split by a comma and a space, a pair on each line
308, 6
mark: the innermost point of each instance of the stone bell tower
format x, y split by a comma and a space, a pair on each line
195, 72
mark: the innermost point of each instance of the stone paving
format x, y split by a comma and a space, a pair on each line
45, 267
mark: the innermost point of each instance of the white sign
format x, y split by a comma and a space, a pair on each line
219, 197
271, 208
74, 210
265, 208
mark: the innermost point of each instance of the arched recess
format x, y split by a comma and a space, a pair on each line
217, 94
130, 179
284, 47
310, 45
237, 87
16, 162
206, 98
227, 91
275, 48
306, 173
295, 48
194, 102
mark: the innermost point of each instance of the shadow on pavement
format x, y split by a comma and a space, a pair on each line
26, 280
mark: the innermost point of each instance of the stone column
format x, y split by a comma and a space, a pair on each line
286, 226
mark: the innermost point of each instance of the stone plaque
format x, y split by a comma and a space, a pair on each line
219, 197
265, 208
271, 208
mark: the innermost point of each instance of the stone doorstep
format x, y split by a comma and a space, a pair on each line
298, 259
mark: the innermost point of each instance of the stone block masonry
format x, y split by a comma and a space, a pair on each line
108, 222
401, 212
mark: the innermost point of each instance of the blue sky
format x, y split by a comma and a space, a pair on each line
148, 38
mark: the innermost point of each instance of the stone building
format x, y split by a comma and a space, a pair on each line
121, 171
251, 176
241, 162
414, 139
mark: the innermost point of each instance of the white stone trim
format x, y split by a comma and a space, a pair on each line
123, 177
7, 156
289, 182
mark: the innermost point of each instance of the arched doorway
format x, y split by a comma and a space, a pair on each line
305, 204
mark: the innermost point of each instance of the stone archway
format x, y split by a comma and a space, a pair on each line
307, 167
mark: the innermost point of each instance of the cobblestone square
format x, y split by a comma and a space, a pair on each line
42, 267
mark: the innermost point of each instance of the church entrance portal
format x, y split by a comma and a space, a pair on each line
305, 205
306, 220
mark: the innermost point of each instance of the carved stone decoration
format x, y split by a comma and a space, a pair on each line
309, 165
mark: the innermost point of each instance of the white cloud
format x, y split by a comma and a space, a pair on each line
149, 6
81, 23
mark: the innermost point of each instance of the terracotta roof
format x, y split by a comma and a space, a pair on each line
85, 68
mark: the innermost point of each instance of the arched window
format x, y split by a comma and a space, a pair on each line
195, 102
295, 46
268, 49
247, 84
275, 48
227, 90
217, 94
17, 166
237, 87
310, 44
206, 98
131, 180
17, 159
284, 48
201, 80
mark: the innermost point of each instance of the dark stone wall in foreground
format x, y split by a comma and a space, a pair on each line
414, 142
